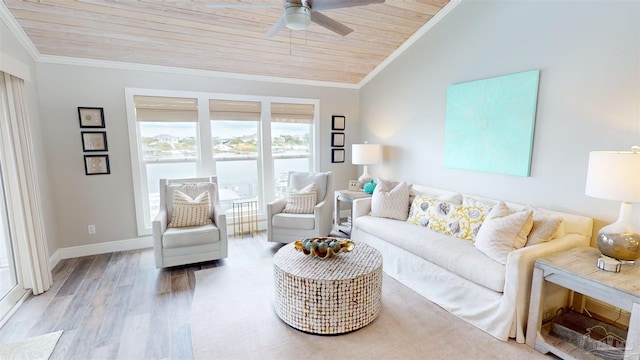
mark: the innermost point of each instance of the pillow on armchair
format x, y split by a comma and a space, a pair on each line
188, 211
301, 201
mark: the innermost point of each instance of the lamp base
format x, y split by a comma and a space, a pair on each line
621, 240
609, 264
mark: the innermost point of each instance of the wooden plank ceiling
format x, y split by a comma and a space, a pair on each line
190, 34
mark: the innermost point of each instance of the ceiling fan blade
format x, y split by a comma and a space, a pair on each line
277, 27
241, 5
319, 5
330, 24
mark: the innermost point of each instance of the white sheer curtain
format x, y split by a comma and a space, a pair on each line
21, 186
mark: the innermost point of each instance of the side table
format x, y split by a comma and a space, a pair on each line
245, 212
346, 196
576, 270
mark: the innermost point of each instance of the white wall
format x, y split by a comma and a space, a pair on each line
107, 200
589, 95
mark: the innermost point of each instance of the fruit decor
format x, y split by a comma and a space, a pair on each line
323, 247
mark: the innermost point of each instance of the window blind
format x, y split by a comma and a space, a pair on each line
234, 110
165, 109
292, 113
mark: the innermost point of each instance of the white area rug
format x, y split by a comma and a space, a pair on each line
233, 318
34, 348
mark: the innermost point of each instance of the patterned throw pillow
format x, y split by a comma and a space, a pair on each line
504, 231
418, 211
461, 221
188, 211
301, 201
390, 202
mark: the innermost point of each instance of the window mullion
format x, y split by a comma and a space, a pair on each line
268, 172
206, 165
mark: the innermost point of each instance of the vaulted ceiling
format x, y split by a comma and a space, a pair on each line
196, 35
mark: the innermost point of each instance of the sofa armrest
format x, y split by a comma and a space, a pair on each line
276, 207
360, 207
519, 272
220, 220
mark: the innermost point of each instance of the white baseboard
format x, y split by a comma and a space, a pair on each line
100, 248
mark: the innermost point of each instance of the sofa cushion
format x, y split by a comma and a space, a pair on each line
545, 227
301, 201
190, 236
188, 211
389, 201
503, 231
456, 255
460, 221
294, 221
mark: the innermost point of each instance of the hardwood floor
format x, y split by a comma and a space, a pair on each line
119, 306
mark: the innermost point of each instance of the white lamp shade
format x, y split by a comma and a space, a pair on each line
366, 154
614, 175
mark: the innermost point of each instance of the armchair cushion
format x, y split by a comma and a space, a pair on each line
190, 212
190, 236
301, 201
294, 221
298, 180
193, 190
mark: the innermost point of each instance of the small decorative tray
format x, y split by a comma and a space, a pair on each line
323, 247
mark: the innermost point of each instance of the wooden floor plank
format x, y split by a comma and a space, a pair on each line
119, 306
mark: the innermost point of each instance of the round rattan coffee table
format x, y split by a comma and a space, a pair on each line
328, 296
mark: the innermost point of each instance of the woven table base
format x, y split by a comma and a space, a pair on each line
328, 296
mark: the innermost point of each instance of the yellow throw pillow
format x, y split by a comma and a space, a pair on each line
418, 210
461, 221
188, 211
301, 201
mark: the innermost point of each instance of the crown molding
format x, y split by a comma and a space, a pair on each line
17, 31
410, 41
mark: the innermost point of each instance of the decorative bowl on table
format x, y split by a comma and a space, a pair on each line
323, 247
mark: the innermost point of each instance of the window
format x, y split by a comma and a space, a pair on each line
291, 129
249, 142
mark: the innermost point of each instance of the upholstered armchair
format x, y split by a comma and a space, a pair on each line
286, 224
190, 226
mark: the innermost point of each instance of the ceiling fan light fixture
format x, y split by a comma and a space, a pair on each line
297, 17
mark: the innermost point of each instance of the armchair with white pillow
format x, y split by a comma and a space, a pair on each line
307, 211
190, 226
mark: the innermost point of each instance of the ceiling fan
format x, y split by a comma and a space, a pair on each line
299, 13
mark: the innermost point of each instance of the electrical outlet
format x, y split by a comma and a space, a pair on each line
92, 229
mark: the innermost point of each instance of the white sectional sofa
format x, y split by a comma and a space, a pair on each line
456, 275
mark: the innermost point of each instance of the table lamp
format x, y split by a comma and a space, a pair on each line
365, 154
615, 175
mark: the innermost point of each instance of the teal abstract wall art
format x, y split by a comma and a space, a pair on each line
489, 125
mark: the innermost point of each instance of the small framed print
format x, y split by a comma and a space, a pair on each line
96, 164
91, 117
94, 141
337, 139
337, 155
337, 122
354, 185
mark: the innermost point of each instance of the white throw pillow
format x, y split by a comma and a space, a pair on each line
503, 231
390, 202
188, 211
545, 227
301, 201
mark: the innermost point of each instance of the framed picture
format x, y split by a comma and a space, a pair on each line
94, 140
96, 164
91, 117
354, 185
337, 139
337, 155
337, 122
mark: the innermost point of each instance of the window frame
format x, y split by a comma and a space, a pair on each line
205, 161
